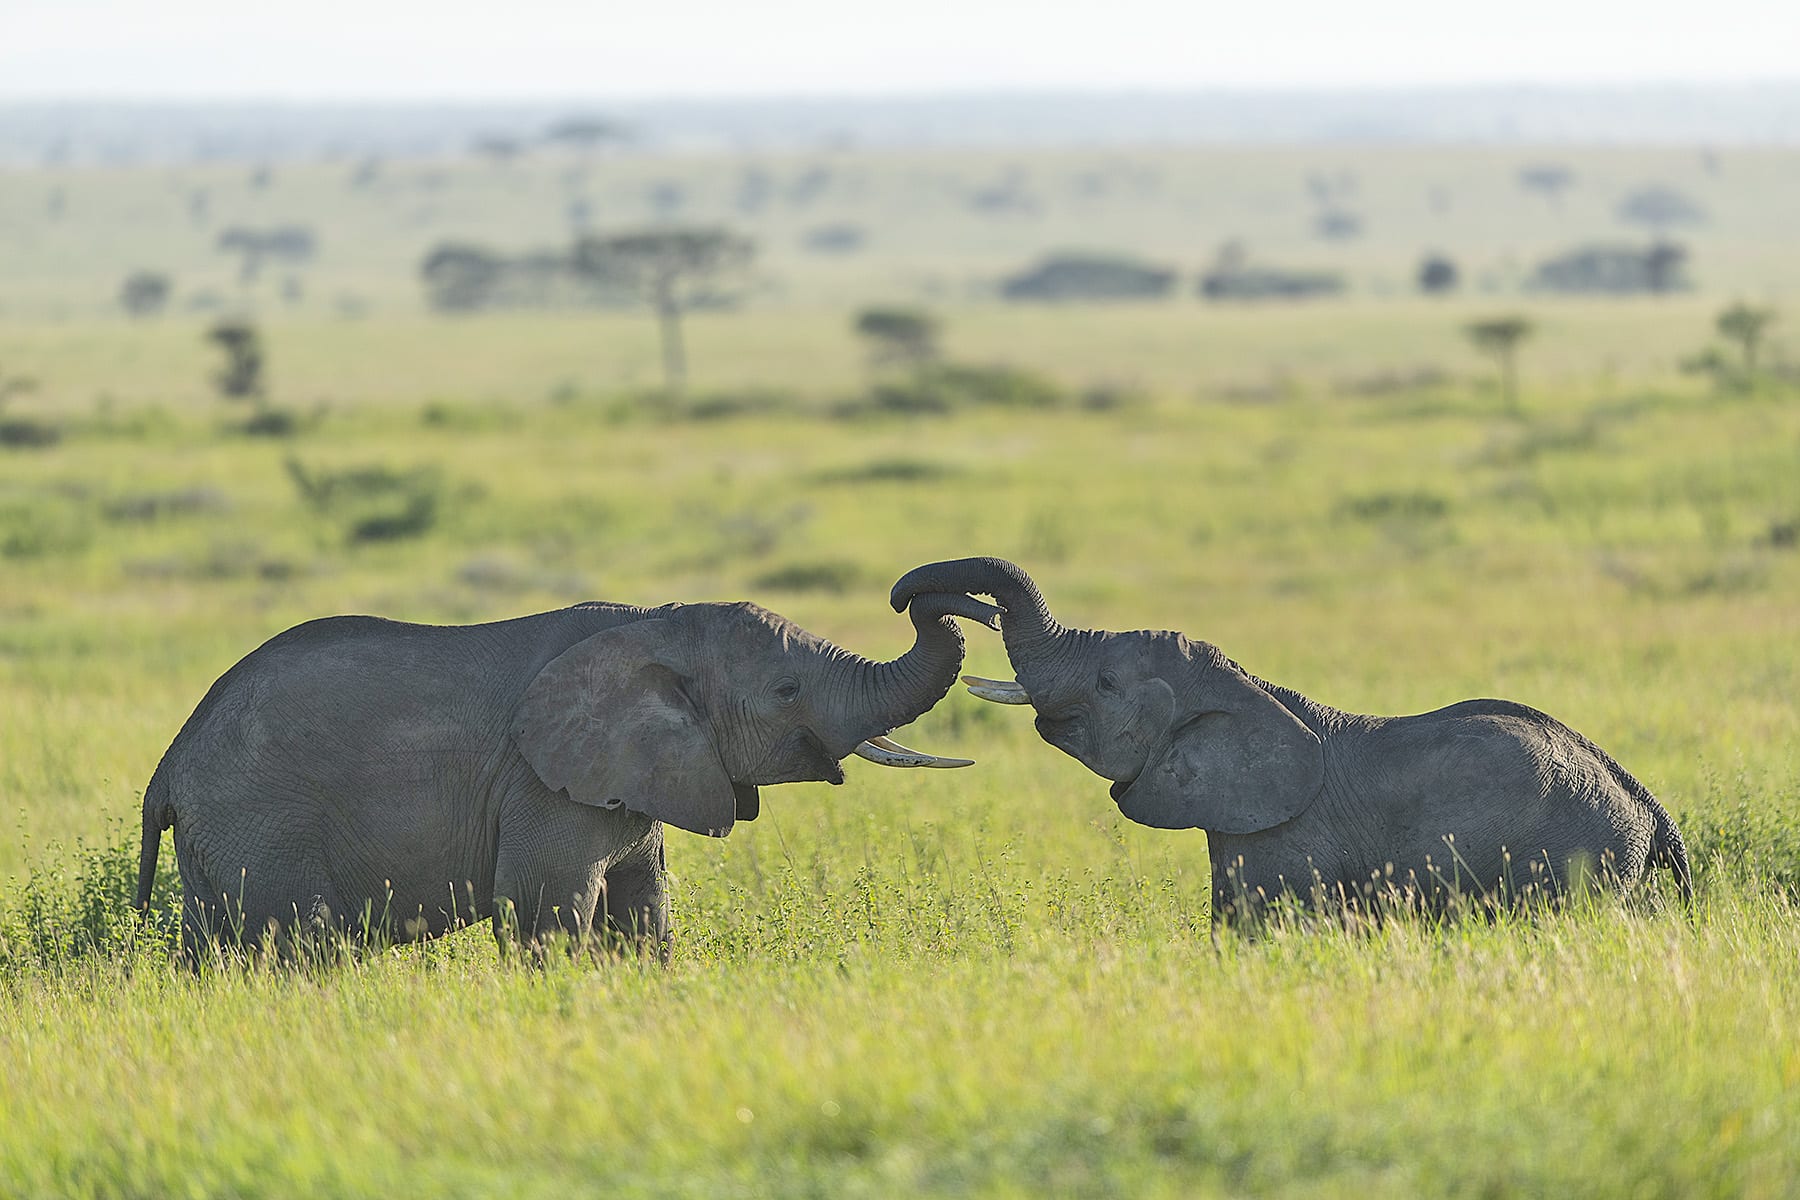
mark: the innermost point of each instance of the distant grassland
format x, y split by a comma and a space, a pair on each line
922, 982
939, 227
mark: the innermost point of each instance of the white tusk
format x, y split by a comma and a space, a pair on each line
889, 753
1000, 691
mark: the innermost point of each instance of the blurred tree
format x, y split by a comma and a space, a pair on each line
292, 244
905, 336
1745, 325
674, 269
1549, 179
1437, 275
496, 148
242, 376
1662, 264
1499, 338
1660, 208
460, 277
144, 293
586, 133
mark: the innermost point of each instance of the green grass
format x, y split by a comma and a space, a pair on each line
925, 983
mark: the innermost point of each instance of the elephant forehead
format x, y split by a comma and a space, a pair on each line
747, 625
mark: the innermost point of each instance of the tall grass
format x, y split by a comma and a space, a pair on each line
933, 983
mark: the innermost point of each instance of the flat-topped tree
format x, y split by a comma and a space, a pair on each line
903, 336
1499, 338
1660, 208
674, 269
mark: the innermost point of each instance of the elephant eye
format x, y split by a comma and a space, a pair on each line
1109, 681
786, 689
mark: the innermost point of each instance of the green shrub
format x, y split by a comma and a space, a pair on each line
949, 387
372, 503
833, 575
892, 470
25, 434
80, 905
1388, 506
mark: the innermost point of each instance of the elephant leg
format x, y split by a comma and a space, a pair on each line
203, 924
637, 899
550, 872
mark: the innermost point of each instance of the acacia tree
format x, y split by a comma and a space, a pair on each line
673, 269
905, 336
1499, 338
1660, 208
1745, 324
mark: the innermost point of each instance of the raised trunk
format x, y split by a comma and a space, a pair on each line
1029, 629
896, 693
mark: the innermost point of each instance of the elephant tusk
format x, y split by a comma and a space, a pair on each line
889, 753
1000, 691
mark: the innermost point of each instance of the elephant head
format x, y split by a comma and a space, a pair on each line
684, 715
1188, 738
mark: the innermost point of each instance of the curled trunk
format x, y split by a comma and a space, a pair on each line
898, 692
1026, 624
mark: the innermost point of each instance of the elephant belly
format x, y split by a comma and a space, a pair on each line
335, 824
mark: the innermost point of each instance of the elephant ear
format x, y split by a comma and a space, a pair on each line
608, 722
1243, 764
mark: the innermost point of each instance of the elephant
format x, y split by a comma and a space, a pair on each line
355, 774
1485, 801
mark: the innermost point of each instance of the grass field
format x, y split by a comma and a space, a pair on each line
984, 982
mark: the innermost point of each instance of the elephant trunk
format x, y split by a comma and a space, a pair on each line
899, 691
1034, 640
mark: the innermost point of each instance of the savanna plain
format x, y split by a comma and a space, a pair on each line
924, 982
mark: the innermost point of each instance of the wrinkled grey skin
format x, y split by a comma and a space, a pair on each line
355, 773
1485, 798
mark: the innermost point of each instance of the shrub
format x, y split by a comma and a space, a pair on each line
372, 503
156, 506
948, 387
1090, 277
833, 575
23, 433
80, 906
1382, 506
271, 422
892, 470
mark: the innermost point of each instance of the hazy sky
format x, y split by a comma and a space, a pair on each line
397, 49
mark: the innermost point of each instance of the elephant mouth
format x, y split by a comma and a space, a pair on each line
746, 800
1117, 791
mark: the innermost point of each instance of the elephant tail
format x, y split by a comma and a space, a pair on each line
159, 814
1667, 849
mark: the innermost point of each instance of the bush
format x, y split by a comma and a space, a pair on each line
23, 433
949, 387
1382, 506
891, 470
1090, 277
271, 422
373, 503
81, 907
156, 506
833, 575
